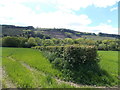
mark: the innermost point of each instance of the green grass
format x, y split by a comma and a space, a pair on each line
44, 74
19, 74
109, 62
32, 57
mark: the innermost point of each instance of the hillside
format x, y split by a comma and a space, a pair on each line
14, 30
63, 33
60, 33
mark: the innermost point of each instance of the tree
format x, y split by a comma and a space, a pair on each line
68, 41
31, 42
23, 40
79, 41
102, 47
0, 42
10, 41
48, 42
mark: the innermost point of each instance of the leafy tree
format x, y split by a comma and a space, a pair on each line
31, 42
11, 41
48, 42
102, 47
38, 41
0, 42
23, 40
68, 41
79, 41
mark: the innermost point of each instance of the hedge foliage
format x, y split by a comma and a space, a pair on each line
72, 55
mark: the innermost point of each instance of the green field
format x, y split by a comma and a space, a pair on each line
28, 68
109, 63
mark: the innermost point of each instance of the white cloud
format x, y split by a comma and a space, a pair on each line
59, 19
109, 21
37, 8
15, 12
18, 13
78, 4
105, 28
67, 4
104, 3
113, 9
74, 4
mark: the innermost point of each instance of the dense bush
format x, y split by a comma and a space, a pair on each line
113, 45
10, 41
78, 64
72, 55
18, 42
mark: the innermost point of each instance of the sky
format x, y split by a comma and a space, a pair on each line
80, 15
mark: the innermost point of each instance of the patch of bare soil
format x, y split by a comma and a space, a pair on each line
8, 83
0, 77
86, 86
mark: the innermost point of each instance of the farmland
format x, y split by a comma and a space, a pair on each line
23, 75
28, 68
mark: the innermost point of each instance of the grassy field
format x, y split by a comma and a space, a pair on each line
25, 67
109, 63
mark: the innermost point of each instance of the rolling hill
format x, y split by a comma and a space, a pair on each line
60, 33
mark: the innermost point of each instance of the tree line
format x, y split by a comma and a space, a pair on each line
12, 41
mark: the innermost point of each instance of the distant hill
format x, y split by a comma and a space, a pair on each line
60, 33
11, 30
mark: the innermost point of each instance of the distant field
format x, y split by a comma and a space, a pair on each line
25, 67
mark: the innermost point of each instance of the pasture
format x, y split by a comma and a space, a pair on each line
28, 68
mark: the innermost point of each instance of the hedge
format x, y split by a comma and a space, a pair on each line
72, 55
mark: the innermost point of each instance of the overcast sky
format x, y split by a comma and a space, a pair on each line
81, 15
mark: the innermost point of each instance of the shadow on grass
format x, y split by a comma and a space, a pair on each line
92, 74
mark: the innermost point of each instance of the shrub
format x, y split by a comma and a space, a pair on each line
10, 42
72, 55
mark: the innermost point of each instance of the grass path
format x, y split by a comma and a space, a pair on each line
7, 83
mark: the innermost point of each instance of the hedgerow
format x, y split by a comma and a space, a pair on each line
72, 55
78, 63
